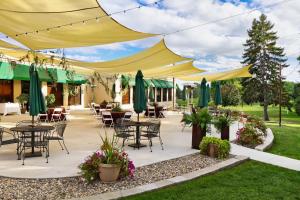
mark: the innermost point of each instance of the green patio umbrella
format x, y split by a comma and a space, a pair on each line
203, 95
139, 102
218, 96
151, 94
184, 93
208, 92
36, 98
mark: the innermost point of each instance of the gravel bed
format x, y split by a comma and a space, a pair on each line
65, 188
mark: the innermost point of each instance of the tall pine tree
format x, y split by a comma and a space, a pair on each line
266, 60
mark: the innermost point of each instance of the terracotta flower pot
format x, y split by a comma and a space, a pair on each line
109, 172
197, 135
23, 110
212, 150
225, 133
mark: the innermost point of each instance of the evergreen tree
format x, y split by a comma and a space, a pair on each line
266, 60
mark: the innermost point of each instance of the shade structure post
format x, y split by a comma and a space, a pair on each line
173, 98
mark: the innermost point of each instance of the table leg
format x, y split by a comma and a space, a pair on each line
33, 153
137, 143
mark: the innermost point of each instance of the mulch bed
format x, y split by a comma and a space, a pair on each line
72, 187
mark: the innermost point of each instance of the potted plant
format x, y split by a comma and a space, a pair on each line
222, 124
108, 164
22, 99
215, 147
103, 104
50, 100
199, 120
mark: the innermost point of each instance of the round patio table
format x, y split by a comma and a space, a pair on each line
32, 129
137, 143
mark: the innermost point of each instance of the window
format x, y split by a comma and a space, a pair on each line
158, 94
165, 90
126, 96
25, 87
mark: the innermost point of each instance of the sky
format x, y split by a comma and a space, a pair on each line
216, 46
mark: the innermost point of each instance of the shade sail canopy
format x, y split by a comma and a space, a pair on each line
21, 53
154, 57
19, 17
230, 74
4, 44
183, 69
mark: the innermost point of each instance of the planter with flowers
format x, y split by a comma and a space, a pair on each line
109, 163
222, 124
249, 136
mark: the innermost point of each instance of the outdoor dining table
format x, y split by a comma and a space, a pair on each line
33, 130
137, 124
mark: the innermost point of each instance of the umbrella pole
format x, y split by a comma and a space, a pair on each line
138, 119
32, 120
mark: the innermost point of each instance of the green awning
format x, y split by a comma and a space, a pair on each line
156, 83
77, 79
6, 71
148, 83
169, 84
21, 72
163, 83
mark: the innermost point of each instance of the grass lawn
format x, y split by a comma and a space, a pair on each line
287, 137
250, 180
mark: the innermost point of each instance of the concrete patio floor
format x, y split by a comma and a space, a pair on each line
82, 137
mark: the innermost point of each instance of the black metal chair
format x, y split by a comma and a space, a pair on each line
123, 131
58, 134
7, 141
153, 131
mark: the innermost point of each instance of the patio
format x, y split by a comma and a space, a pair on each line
82, 137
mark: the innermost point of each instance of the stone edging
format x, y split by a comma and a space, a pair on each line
231, 162
268, 142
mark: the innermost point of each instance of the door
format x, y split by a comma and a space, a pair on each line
57, 90
6, 91
74, 97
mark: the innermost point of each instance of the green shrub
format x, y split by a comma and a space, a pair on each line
223, 146
222, 121
230, 95
117, 109
50, 99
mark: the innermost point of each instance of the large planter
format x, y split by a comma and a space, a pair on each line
212, 150
23, 110
225, 133
109, 172
197, 135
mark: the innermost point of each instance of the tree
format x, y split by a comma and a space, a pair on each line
266, 60
230, 95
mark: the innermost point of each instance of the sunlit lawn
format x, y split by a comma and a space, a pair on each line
251, 180
287, 137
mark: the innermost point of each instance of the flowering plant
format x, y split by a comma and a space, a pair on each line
249, 135
109, 153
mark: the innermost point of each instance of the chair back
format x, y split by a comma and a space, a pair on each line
106, 115
60, 128
57, 110
127, 116
154, 128
108, 106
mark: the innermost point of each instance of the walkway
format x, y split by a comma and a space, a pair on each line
265, 157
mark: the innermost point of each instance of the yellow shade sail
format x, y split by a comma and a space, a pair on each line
73, 29
230, 74
18, 54
156, 56
183, 69
4, 44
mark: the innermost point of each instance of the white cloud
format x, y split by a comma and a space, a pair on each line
221, 41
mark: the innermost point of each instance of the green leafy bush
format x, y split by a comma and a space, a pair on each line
230, 95
222, 121
200, 118
50, 99
117, 109
223, 146
23, 98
